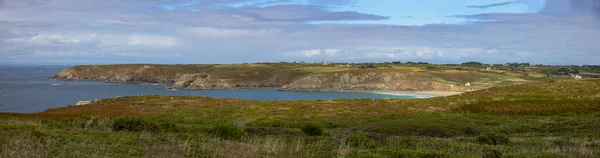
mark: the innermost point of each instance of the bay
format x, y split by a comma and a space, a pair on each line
26, 89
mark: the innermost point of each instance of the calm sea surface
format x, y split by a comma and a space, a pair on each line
26, 89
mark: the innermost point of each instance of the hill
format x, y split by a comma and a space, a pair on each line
318, 77
547, 119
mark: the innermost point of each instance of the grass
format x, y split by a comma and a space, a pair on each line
407, 68
552, 119
325, 69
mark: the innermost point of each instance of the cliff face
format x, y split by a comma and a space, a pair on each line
369, 82
183, 76
283, 78
124, 75
211, 81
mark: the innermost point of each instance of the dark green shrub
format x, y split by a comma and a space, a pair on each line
363, 140
433, 68
403, 153
492, 139
56, 123
312, 129
432, 127
228, 131
168, 127
264, 131
133, 124
491, 153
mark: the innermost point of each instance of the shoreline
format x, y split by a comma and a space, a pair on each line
429, 94
417, 94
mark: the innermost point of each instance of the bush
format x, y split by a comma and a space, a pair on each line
312, 129
168, 127
133, 124
492, 139
228, 131
364, 140
433, 68
431, 127
492, 153
413, 153
264, 131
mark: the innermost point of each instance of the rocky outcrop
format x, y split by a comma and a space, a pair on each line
67, 74
203, 81
186, 80
369, 82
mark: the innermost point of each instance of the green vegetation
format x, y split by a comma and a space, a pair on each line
228, 132
493, 139
547, 119
133, 124
312, 129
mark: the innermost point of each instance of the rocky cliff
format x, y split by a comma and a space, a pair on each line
252, 76
372, 81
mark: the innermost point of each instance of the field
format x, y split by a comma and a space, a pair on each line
549, 119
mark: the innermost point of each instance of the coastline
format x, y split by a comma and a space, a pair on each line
425, 94
417, 94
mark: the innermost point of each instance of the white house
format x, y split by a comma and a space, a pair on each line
468, 84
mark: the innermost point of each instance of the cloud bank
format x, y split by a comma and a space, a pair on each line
237, 31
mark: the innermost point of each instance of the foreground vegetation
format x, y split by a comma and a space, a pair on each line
550, 119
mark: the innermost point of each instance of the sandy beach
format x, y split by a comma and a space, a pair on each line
424, 94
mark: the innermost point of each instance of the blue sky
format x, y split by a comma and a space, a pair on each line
238, 31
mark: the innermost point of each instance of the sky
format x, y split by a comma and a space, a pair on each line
558, 32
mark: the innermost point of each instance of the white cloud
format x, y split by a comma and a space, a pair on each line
332, 52
315, 52
311, 53
152, 41
229, 33
53, 38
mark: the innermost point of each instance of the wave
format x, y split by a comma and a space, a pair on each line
406, 95
67, 84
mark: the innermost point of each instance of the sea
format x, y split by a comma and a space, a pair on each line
27, 89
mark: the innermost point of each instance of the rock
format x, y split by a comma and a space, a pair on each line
84, 102
185, 80
368, 82
67, 74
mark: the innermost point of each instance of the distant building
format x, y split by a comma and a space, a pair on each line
468, 84
577, 77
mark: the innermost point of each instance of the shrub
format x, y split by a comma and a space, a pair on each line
228, 131
433, 68
363, 140
264, 131
432, 127
492, 153
492, 139
133, 124
312, 129
413, 153
168, 127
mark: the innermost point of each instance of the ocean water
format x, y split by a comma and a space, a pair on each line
26, 89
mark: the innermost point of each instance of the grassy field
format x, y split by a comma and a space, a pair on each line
549, 119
